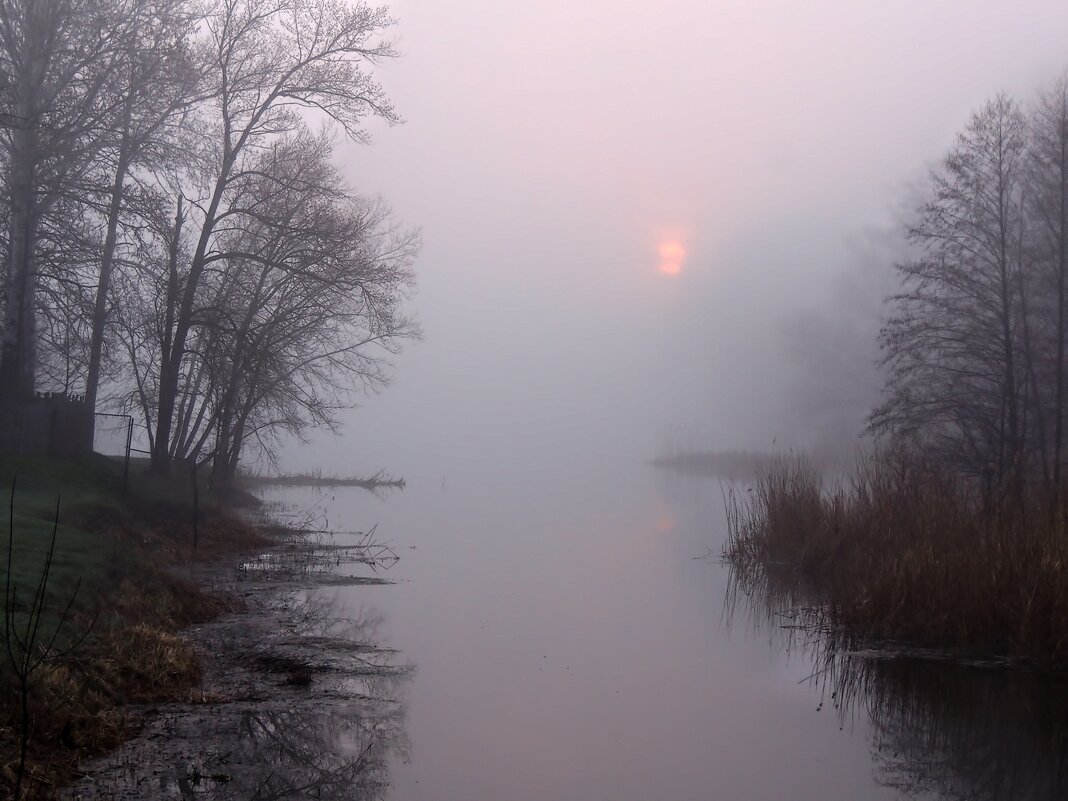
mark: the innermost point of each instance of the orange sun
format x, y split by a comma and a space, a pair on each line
672, 254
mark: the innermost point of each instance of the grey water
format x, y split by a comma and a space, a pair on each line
570, 640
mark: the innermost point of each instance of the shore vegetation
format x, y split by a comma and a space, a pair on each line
96, 593
902, 550
952, 532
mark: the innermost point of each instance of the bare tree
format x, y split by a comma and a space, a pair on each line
952, 345
300, 308
166, 200
58, 59
157, 82
271, 63
1048, 206
310, 336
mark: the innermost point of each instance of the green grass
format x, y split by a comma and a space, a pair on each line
90, 499
82, 556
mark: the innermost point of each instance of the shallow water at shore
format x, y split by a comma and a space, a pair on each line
298, 699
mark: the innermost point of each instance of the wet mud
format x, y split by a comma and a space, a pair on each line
299, 699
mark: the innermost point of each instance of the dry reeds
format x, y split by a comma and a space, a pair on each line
901, 550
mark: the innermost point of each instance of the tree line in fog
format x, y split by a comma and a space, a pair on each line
975, 342
179, 242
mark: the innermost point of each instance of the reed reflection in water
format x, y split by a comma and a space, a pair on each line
941, 725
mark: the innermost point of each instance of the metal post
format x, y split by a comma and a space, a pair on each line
196, 502
126, 466
52, 432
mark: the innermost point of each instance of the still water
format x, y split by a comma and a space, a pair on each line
570, 641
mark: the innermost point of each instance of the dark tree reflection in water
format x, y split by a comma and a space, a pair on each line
942, 725
337, 744
341, 754
301, 700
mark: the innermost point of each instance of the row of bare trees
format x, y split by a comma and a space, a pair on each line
976, 343
179, 241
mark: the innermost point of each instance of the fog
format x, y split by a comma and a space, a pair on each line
538, 247
549, 148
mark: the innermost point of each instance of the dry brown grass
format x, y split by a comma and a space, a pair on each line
899, 550
81, 704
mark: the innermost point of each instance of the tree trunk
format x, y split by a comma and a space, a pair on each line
170, 359
1057, 503
18, 355
170, 367
107, 259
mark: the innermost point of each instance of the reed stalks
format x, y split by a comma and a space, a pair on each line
897, 549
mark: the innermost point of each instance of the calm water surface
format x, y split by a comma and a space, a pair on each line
571, 643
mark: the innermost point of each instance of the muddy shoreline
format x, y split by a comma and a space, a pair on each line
297, 697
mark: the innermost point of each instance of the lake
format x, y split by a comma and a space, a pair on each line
570, 641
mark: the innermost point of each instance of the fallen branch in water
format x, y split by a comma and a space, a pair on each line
378, 480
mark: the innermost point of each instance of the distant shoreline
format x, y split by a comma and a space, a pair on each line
728, 465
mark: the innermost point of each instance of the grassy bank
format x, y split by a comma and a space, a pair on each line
901, 551
103, 634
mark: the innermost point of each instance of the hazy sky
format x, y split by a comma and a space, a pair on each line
550, 148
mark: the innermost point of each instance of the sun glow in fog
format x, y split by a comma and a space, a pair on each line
672, 255
665, 523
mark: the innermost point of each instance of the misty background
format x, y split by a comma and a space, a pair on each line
549, 149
